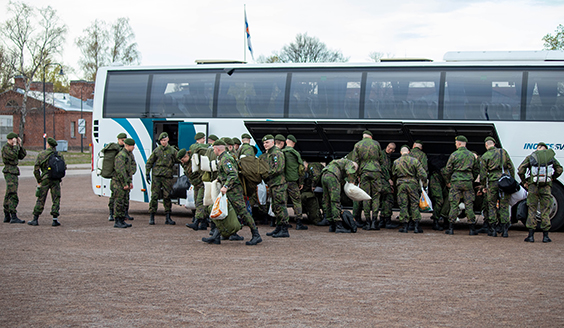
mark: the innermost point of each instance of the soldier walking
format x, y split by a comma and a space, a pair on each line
45, 184
122, 181
12, 153
294, 164
161, 162
333, 177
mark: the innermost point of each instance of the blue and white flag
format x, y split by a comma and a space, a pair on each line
248, 36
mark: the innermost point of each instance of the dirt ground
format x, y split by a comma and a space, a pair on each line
86, 273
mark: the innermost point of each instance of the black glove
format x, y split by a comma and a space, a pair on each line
148, 178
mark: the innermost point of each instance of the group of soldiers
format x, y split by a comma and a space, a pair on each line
12, 153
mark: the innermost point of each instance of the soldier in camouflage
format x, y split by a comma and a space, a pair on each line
12, 153
40, 171
293, 171
276, 182
122, 181
408, 172
200, 219
493, 163
236, 146
310, 180
231, 186
387, 192
161, 162
539, 197
438, 193
461, 170
333, 178
417, 152
246, 149
116, 147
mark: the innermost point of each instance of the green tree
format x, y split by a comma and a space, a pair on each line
556, 41
308, 49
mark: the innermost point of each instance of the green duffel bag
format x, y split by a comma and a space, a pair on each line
230, 224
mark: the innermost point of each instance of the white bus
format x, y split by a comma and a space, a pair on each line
519, 101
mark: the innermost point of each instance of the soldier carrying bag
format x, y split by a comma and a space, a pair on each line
56, 167
506, 182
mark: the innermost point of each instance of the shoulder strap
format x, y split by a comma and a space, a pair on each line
502, 161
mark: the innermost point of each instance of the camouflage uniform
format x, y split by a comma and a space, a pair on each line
421, 157
125, 167
111, 202
310, 203
46, 184
161, 162
461, 170
387, 192
332, 179
276, 182
293, 160
490, 172
408, 171
196, 181
438, 192
368, 155
10, 156
246, 150
539, 197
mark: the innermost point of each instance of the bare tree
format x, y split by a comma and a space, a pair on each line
308, 49
556, 41
377, 56
7, 69
270, 59
123, 49
33, 36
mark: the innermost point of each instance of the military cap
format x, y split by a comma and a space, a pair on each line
236, 141
246, 135
181, 153
419, 142
228, 141
461, 138
292, 138
122, 136
542, 144
163, 135
129, 142
279, 137
219, 142
213, 137
489, 139
52, 142
367, 132
267, 137
11, 135
199, 135
405, 146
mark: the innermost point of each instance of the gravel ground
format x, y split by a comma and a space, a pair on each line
86, 273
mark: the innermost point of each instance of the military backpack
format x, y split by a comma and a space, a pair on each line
56, 167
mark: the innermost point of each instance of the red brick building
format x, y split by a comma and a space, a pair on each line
62, 113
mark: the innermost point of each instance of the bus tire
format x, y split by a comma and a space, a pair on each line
557, 209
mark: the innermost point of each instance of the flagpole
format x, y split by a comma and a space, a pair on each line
244, 32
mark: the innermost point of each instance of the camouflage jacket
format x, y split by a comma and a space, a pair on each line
490, 166
311, 177
276, 163
367, 154
42, 163
341, 168
462, 166
125, 167
247, 150
408, 169
293, 162
11, 156
386, 166
421, 157
227, 173
162, 162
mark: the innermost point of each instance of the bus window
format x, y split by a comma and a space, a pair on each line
126, 95
182, 95
397, 95
325, 95
483, 95
245, 94
545, 96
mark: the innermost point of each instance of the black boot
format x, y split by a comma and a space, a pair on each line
505, 232
255, 239
300, 225
450, 230
15, 219
283, 233
272, 221
445, 223
7, 217
491, 230
473, 231
168, 219
405, 227
545, 238
203, 225
411, 226
119, 223
382, 222
212, 227
194, 225
55, 222
390, 224
127, 217
275, 231
214, 239
323, 222
236, 237
368, 224
375, 224
531, 237
340, 229
417, 228
152, 219
34, 221
111, 217
485, 227
127, 225
358, 220
436, 225
332, 226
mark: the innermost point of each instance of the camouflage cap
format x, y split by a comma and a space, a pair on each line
418, 142
367, 132
461, 138
163, 135
11, 135
213, 137
236, 140
246, 135
228, 141
52, 142
268, 137
542, 144
121, 136
199, 135
129, 142
181, 153
405, 146
279, 137
489, 139
292, 138
219, 143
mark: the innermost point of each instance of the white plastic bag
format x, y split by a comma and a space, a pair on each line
213, 165
208, 200
195, 163
425, 204
219, 209
261, 192
215, 189
270, 212
516, 197
190, 203
355, 193
205, 163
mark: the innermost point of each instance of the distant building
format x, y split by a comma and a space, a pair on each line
62, 113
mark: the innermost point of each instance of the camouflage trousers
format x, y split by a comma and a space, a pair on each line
237, 200
294, 196
496, 214
386, 199
112, 201
461, 190
158, 185
279, 201
201, 210
438, 193
48, 185
331, 197
371, 182
408, 200
539, 199
11, 199
310, 206
121, 200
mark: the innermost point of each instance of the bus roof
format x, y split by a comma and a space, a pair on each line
471, 56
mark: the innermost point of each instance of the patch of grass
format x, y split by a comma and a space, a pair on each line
71, 157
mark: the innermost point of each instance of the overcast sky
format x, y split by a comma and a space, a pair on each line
179, 32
